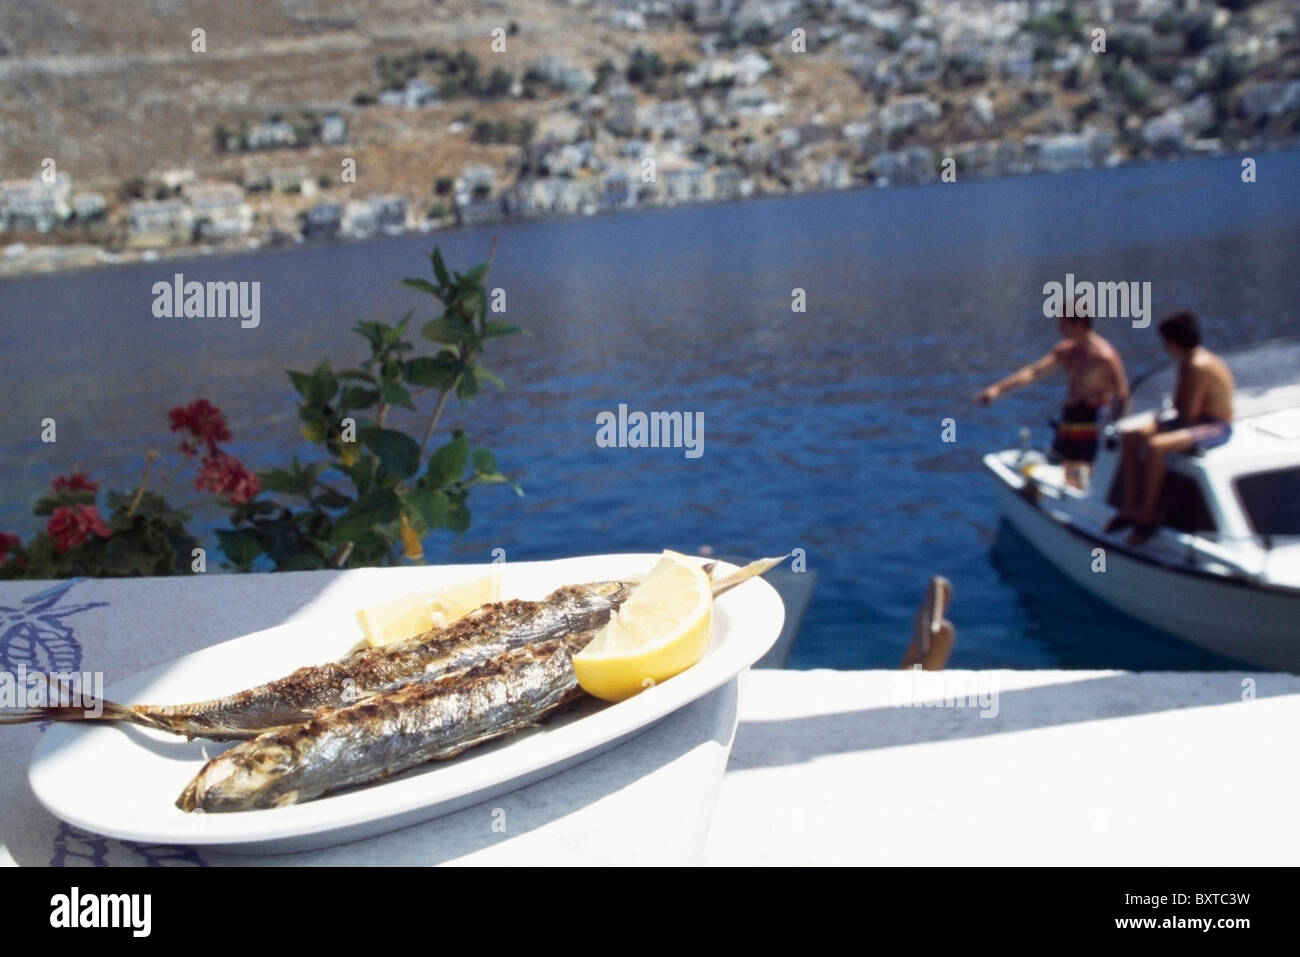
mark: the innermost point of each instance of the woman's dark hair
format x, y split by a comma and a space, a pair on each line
1181, 329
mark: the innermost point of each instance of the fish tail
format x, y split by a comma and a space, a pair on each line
84, 710
741, 575
103, 710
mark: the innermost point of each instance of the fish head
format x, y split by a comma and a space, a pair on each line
231, 781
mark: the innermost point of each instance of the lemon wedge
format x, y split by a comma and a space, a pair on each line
408, 615
660, 631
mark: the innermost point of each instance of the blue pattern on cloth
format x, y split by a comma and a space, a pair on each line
34, 635
74, 847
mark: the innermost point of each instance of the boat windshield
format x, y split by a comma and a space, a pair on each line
1271, 500
1256, 369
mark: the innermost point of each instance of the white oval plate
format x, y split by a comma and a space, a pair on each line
123, 781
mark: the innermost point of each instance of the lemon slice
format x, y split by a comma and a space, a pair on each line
660, 631
408, 615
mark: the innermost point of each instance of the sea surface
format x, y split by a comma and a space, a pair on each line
822, 428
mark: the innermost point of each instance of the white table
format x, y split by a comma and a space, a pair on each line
1076, 768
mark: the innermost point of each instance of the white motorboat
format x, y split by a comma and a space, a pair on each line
1223, 572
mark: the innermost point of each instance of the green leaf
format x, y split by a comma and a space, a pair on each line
476, 274
371, 331
324, 385
482, 375
362, 473
282, 480
395, 393
239, 545
496, 478
355, 397
492, 330
440, 268
302, 561
447, 464
467, 387
421, 284
429, 507
428, 371
484, 461
467, 304
445, 329
376, 508
397, 451
458, 519
302, 383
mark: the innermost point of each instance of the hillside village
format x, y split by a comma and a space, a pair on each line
710, 100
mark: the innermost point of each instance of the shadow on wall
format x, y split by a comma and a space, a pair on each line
797, 740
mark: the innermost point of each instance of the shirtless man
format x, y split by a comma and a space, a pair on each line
1095, 379
1203, 400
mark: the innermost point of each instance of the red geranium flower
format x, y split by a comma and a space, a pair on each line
226, 475
70, 527
9, 542
203, 420
76, 482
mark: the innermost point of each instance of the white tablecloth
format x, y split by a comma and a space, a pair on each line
647, 801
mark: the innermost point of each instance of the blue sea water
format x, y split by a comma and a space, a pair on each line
822, 429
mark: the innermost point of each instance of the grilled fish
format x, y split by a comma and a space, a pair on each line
426, 720
431, 718
295, 698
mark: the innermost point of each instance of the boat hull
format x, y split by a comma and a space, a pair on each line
1231, 617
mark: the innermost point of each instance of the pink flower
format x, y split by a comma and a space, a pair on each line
9, 542
203, 420
70, 527
76, 482
226, 475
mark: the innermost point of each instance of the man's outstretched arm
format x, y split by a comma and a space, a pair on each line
1022, 376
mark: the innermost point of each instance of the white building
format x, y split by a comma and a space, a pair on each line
359, 219
34, 203
219, 210
159, 222
905, 112
270, 134
88, 206
834, 174
333, 129
418, 93
682, 181
670, 118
